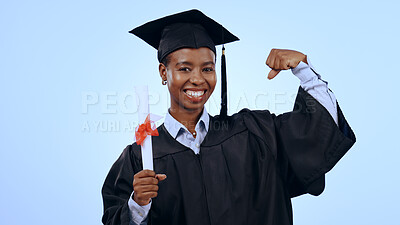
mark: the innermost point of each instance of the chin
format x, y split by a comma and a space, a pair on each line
190, 106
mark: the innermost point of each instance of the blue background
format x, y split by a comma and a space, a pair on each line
68, 69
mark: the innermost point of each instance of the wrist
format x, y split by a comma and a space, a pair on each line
305, 59
139, 201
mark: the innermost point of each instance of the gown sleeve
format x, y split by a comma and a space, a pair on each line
310, 144
306, 143
118, 188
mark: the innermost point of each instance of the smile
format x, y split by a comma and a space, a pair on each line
195, 95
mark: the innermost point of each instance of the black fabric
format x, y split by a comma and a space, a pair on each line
249, 167
183, 35
189, 29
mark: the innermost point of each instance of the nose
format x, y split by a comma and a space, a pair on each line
197, 78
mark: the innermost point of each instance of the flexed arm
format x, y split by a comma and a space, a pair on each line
310, 81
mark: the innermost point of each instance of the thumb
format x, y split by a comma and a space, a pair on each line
273, 73
161, 177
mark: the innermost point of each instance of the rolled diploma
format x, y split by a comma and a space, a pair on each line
143, 110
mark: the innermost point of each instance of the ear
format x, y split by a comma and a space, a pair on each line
162, 69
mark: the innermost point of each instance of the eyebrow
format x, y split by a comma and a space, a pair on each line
209, 63
184, 63
191, 64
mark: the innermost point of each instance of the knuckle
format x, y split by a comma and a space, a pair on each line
147, 172
155, 181
137, 190
150, 181
143, 181
147, 181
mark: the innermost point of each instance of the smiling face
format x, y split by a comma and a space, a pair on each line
191, 79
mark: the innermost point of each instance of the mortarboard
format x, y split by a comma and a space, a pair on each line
189, 29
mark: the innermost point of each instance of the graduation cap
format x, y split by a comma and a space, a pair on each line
189, 29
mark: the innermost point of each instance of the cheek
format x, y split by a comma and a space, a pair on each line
212, 81
175, 82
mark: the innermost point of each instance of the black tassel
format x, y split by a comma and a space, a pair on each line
224, 102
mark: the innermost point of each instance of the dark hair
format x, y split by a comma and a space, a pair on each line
166, 60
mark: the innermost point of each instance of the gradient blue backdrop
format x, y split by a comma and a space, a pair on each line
68, 69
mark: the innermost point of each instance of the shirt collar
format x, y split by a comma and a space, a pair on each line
173, 126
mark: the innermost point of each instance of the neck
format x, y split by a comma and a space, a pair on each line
188, 119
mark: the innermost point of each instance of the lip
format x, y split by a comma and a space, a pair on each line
195, 99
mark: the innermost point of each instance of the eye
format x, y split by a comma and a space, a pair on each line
184, 69
208, 69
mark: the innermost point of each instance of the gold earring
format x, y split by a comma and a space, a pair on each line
164, 82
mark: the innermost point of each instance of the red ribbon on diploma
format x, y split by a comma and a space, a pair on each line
145, 129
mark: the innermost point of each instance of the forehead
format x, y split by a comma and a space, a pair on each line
192, 54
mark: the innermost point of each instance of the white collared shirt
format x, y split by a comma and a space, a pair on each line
182, 134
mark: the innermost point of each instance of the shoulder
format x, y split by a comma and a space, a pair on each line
254, 118
222, 129
131, 154
247, 114
240, 117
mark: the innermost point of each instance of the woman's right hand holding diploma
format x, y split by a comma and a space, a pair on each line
145, 186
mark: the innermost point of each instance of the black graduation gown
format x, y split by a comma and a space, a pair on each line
249, 167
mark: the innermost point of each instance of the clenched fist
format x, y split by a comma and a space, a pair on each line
145, 186
283, 59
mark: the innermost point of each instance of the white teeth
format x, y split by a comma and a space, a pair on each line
195, 93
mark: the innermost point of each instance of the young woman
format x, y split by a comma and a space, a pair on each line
239, 169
